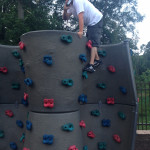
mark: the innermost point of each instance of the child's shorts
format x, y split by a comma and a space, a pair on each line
94, 33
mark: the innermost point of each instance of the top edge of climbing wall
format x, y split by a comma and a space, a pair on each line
8, 46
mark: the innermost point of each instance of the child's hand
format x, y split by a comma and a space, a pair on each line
80, 34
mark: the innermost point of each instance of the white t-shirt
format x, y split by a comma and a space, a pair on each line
91, 14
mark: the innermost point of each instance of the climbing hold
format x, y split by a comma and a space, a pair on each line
89, 44
82, 99
22, 69
24, 102
28, 81
106, 123
48, 139
95, 113
73, 147
49, 103
83, 58
9, 113
116, 138
101, 145
1, 134
66, 38
16, 54
84, 75
19, 123
123, 90
22, 137
47, 59
111, 69
67, 82
85, 147
3, 69
68, 127
122, 115
101, 85
102, 53
28, 125
13, 145
91, 134
25, 96
26, 148
82, 124
21, 45
15, 86
110, 101
20, 62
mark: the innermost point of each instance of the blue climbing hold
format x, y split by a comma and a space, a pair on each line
123, 90
66, 38
67, 82
85, 147
28, 82
82, 98
48, 139
68, 127
83, 58
106, 123
22, 69
47, 59
84, 75
102, 145
19, 123
24, 102
28, 125
13, 146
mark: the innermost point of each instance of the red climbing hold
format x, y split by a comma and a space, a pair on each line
116, 138
82, 124
73, 147
3, 69
25, 96
21, 45
111, 69
49, 103
110, 100
89, 44
91, 134
9, 113
26, 148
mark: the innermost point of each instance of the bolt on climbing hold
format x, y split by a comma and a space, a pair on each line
3, 69
123, 90
47, 59
28, 82
122, 115
22, 137
26, 148
28, 125
16, 54
21, 62
48, 139
49, 103
84, 74
66, 38
73, 147
19, 123
117, 138
111, 69
67, 82
85, 147
9, 113
101, 85
95, 113
24, 102
106, 123
68, 127
89, 44
110, 101
83, 58
13, 145
22, 69
1, 134
101, 145
25, 96
21, 45
82, 99
102, 53
82, 124
91, 134
15, 86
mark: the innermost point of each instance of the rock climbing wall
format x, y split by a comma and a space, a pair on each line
70, 109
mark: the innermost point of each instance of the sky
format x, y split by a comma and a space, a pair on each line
144, 27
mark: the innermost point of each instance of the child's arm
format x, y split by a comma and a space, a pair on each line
66, 15
81, 24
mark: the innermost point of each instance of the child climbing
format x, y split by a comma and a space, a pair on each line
91, 17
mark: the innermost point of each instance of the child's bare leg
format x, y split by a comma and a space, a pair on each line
94, 55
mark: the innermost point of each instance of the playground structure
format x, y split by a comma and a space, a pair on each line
66, 109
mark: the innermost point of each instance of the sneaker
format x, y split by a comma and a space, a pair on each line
97, 63
89, 68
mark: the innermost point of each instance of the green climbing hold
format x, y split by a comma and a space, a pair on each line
15, 86
95, 113
122, 115
67, 82
20, 62
68, 127
102, 53
66, 38
84, 75
16, 54
22, 137
85, 148
101, 145
1, 134
101, 85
